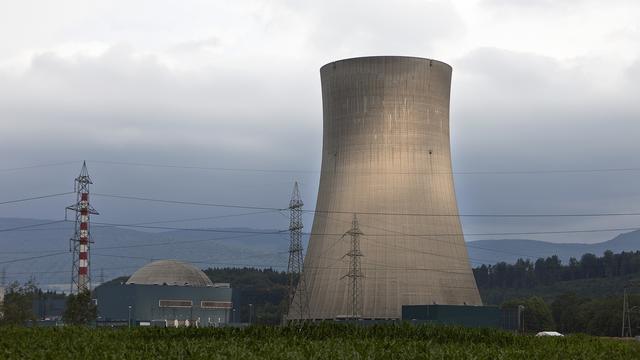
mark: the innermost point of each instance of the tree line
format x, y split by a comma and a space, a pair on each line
546, 271
17, 307
570, 314
261, 296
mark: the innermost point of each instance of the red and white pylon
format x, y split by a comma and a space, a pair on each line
81, 240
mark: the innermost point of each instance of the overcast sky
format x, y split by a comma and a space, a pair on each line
537, 85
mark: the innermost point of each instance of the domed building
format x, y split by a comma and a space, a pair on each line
170, 272
165, 293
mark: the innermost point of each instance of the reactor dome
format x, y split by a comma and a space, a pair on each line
170, 272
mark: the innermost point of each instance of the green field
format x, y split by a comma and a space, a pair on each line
327, 341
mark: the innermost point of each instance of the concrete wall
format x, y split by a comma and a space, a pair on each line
114, 300
468, 316
386, 151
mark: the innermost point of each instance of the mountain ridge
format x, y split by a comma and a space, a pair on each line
119, 251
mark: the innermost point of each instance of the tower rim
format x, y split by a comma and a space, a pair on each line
384, 57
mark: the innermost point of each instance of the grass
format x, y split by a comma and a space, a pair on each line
324, 341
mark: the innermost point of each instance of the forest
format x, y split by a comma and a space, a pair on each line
547, 271
586, 297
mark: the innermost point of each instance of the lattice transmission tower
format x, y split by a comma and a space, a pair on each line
355, 269
81, 241
298, 296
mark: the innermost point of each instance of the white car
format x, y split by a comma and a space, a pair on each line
549, 333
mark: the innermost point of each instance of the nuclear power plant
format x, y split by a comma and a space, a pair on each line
386, 231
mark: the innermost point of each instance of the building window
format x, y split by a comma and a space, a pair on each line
216, 304
176, 303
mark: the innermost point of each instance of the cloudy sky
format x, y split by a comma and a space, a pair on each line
537, 85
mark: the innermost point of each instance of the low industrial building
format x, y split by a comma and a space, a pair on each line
464, 315
165, 293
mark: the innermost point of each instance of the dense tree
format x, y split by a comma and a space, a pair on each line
566, 310
602, 317
265, 289
550, 270
536, 315
80, 309
17, 305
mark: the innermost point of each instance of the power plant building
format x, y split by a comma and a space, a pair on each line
386, 158
165, 293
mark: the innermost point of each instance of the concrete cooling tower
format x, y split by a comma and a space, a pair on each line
386, 158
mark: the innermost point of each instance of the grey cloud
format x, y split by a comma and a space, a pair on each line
123, 106
197, 45
534, 4
137, 99
520, 2
363, 27
524, 111
509, 111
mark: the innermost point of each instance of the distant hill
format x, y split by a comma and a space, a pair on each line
120, 251
493, 251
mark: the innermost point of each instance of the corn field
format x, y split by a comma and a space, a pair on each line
323, 341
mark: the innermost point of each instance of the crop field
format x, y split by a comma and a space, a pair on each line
324, 341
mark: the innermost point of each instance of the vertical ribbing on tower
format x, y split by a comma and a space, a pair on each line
81, 240
355, 269
298, 300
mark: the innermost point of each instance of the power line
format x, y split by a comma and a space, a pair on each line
67, 271
187, 202
38, 166
31, 226
204, 218
397, 234
138, 164
501, 215
176, 242
152, 258
33, 257
463, 244
481, 215
275, 232
34, 198
156, 244
295, 171
193, 229
373, 267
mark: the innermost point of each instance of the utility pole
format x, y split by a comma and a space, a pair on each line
81, 240
298, 297
626, 313
355, 269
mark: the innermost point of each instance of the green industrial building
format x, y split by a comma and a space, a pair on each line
165, 293
464, 315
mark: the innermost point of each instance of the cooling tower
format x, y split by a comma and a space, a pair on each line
386, 157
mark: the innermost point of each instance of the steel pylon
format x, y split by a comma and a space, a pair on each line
298, 295
81, 241
355, 274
